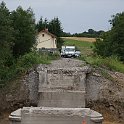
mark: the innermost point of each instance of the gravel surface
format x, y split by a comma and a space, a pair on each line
66, 62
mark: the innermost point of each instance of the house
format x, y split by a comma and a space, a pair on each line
46, 40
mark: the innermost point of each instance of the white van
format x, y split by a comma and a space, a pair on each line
69, 51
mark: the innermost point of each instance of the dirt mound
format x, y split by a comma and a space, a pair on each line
106, 94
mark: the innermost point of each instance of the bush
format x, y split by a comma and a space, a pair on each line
112, 42
111, 63
24, 63
34, 58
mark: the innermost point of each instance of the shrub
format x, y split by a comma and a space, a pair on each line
111, 63
24, 63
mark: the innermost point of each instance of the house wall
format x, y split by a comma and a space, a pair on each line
46, 41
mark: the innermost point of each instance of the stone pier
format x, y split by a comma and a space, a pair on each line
62, 87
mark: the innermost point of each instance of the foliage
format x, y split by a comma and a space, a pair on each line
17, 40
66, 34
25, 62
17, 30
24, 27
34, 58
83, 46
60, 42
6, 39
54, 26
90, 33
111, 63
6, 36
42, 24
112, 42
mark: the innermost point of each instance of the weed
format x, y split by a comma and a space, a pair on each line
110, 63
24, 63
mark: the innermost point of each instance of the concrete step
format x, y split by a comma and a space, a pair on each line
65, 99
46, 115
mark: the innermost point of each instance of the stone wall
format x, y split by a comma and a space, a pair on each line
62, 87
62, 78
21, 92
70, 99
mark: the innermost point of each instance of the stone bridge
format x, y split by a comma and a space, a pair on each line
60, 98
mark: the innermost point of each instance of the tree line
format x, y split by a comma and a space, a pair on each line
18, 31
111, 43
91, 33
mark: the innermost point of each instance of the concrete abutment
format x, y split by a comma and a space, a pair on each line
61, 99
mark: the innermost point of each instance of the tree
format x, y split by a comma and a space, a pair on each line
112, 42
42, 24
24, 27
6, 41
91, 31
56, 29
54, 26
6, 35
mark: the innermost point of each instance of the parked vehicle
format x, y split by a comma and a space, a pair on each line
69, 51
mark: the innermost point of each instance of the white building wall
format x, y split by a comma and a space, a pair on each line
45, 40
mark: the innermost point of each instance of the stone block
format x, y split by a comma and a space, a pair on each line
62, 99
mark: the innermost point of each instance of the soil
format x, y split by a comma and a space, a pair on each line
4, 118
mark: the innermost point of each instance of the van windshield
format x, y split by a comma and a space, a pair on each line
69, 49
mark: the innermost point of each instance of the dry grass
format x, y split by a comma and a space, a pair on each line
81, 39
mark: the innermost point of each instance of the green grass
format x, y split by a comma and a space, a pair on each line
78, 43
110, 63
34, 58
23, 64
83, 46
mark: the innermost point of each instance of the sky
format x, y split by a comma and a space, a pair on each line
75, 15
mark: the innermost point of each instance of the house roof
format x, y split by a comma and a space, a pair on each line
46, 31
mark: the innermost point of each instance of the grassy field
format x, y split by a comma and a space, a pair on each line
86, 48
81, 39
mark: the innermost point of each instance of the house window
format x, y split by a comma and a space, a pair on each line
42, 35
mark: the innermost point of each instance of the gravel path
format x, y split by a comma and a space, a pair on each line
66, 62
